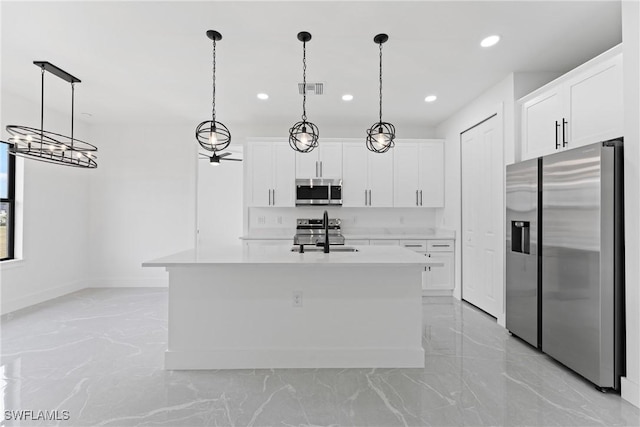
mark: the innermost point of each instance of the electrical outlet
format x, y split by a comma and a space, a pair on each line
401, 220
355, 219
262, 220
296, 299
279, 220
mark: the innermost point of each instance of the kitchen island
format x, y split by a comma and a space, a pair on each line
269, 307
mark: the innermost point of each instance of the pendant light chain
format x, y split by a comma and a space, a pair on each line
213, 102
304, 81
380, 81
212, 135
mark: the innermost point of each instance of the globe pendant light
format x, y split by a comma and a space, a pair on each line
303, 136
213, 135
50, 147
380, 136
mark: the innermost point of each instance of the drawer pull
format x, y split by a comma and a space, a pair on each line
441, 246
412, 246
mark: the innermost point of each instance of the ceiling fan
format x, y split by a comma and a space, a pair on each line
215, 158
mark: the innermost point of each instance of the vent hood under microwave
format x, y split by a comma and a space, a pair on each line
318, 191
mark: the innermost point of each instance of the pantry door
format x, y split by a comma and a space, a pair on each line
482, 169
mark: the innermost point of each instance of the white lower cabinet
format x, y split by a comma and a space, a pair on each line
439, 278
384, 242
435, 278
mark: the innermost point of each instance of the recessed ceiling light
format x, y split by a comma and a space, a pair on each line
347, 97
430, 98
263, 96
490, 41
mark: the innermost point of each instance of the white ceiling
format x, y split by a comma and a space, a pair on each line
150, 62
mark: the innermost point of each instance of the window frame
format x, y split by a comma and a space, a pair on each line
11, 200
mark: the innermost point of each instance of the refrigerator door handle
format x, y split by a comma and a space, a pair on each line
564, 141
557, 128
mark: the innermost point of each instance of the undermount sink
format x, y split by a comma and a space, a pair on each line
321, 249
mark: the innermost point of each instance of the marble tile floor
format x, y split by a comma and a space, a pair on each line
98, 354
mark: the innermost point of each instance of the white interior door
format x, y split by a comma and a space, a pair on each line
482, 217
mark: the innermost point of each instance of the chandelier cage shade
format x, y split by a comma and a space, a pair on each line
47, 146
381, 135
211, 134
303, 135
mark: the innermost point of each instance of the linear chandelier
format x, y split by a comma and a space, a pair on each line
303, 136
212, 135
380, 135
47, 146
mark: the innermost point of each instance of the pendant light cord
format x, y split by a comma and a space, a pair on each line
213, 102
380, 82
304, 81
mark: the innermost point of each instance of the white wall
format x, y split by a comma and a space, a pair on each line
55, 206
142, 201
631, 57
498, 99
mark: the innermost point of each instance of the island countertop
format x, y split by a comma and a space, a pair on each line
282, 255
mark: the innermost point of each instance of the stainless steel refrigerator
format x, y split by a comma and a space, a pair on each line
579, 256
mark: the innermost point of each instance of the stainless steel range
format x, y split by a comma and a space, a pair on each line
311, 231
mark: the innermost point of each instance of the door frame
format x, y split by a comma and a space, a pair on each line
498, 112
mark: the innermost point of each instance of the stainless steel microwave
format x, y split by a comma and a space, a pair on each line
318, 191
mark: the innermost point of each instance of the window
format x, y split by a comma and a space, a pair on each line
7, 201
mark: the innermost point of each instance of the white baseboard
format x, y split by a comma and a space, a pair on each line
9, 305
630, 391
437, 292
129, 282
272, 358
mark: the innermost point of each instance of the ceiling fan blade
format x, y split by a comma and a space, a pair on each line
224, 155
235, 160
202, 156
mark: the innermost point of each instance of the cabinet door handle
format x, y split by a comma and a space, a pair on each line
557, 143
274, 197
420, 197
269, 197
316, 168
369, 197
320, 168
416, 197
564, 141
365, 198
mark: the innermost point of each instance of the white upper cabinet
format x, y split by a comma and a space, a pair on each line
367, 177
272, 173
418, 174
582, 107
323, 162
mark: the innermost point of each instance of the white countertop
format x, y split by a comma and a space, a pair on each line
281, 255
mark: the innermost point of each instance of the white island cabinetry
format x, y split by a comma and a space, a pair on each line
267, 307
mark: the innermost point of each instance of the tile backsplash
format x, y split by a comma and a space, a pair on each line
283, 220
